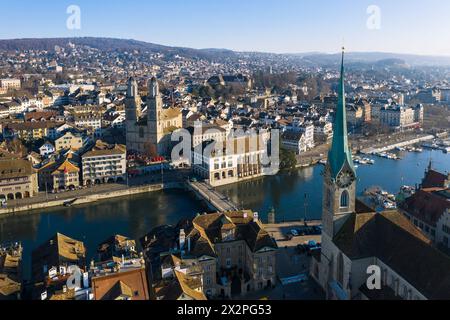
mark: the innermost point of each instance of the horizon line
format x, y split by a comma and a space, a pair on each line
310, 52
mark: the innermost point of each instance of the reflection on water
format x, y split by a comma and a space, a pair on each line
287, 191
133, 217
136, 216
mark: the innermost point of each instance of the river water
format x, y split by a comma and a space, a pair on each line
136, 216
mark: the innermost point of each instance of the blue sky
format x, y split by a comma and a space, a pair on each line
282, 26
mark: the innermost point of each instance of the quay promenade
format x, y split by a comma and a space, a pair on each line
213, 199
397, 145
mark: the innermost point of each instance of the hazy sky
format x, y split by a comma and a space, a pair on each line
406, 26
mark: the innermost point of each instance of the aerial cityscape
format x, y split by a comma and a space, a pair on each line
137, 165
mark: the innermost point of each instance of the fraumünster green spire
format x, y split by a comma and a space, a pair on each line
340, 153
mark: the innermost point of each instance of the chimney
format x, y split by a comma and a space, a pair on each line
182, 239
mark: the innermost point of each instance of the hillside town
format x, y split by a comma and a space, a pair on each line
79, 124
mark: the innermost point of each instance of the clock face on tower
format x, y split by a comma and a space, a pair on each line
345, 179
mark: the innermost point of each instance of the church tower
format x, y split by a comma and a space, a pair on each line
154, 116
339, 184
132, 102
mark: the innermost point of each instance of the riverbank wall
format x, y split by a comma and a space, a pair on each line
92, 198
397, 145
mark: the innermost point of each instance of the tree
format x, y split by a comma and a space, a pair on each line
288, 159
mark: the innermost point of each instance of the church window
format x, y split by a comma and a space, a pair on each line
344, 199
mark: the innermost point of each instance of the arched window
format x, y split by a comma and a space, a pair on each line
344, 199
340, 269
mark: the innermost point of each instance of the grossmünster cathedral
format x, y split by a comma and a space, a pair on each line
148, 130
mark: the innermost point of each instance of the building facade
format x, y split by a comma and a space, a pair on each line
240, 158
399, 117
150, 133
18, 179
10, 83
69, 141
104, 165
231, 253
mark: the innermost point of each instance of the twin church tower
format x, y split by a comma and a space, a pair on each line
149, 133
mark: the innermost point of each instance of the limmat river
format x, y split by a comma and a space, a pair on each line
136, 216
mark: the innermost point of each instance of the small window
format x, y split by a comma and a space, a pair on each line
344, 199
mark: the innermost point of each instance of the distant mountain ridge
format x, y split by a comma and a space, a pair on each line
107, 44
311, 58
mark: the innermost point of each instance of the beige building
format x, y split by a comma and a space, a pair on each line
18, 179
69, 141
149, 133
400, 117
61, 175
230, 252
10, 83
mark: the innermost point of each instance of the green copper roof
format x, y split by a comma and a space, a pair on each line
340, 153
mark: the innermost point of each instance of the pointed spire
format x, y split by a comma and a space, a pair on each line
340, 153
153, 87
132, 88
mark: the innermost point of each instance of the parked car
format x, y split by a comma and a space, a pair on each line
317, 230
295, 233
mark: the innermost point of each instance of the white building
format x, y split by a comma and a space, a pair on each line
238, 159
299, 141
400, 117
46, 149
104, 165
206, 132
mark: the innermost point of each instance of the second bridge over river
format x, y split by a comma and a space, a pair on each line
214, 200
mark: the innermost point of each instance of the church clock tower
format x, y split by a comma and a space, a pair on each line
339, 184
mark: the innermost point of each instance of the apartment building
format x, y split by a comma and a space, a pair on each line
9, 83
224, 254
59, 175
104, 164
69, 141
18, 179
240, 158
399, 117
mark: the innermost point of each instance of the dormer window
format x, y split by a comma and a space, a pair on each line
227, 234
